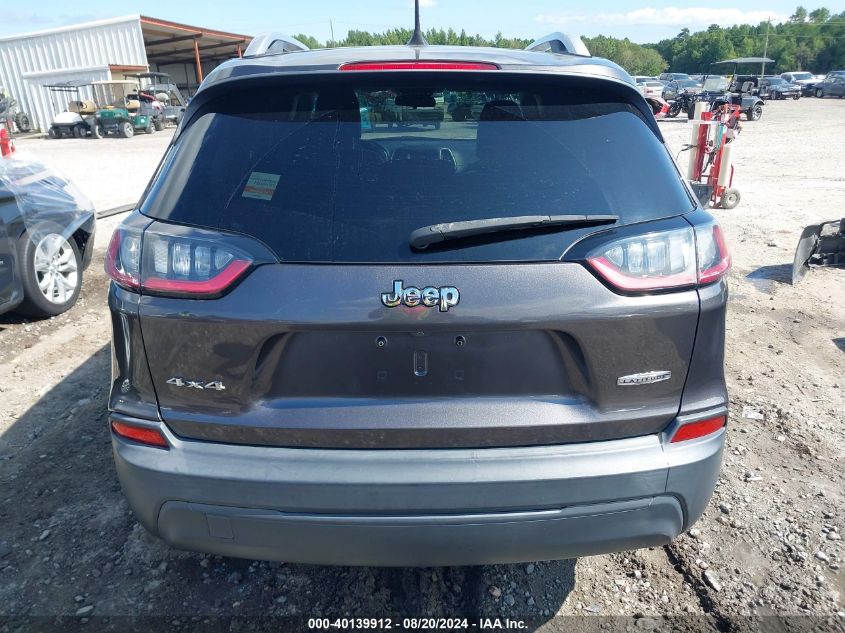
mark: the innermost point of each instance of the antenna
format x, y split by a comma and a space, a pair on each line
417, 39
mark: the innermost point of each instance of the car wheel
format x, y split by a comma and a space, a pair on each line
159, 124
77, 131
126, 130
730, 198
820, 93
53, 133
755, 112
52, 273
796, 97
674, 110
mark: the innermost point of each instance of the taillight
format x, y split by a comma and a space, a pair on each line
140, 434
654, 261
418, 65
195, 267
663, 260
123, 259
701, 428
189, 266
713, 257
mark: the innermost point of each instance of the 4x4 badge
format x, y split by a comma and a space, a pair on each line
215, 385
445, 296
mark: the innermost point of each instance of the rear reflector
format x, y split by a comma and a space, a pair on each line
698, 429
418, 65
141, 434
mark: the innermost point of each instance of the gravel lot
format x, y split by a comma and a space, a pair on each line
769, 544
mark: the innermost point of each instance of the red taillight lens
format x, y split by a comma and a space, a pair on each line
663, 260
123, 258
694, 430
714, 261
141, 434
418, 65
198, 268
654, 261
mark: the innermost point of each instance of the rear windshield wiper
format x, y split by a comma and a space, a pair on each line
435, 233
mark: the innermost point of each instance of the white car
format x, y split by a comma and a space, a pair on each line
649, 86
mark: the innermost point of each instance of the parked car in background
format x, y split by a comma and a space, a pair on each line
46, 239
650, 87
805, 80
777, 88
673, 76
832, 86
677, 86
497, 342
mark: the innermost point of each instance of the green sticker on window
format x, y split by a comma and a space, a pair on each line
261, 186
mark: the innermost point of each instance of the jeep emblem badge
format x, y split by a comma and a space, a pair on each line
444, 297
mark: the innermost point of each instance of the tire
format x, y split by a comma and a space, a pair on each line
796, 97
54, 133
51, 272
126, 130
149, 129
77, 132
820, 93
98, 131
730, 198
674, 110
158, 124
23, 122
754, 113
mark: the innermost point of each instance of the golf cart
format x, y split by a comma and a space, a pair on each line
161, 86
11, 116
77, 116
122, 109
745, 94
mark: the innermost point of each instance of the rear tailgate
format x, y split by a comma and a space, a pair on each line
309, 356
303, 352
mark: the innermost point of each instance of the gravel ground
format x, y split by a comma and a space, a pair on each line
769, 543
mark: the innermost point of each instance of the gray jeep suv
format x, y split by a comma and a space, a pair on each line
344, 335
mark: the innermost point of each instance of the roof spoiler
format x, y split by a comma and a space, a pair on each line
560, 43
273, 42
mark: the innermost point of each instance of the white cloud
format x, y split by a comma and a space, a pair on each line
667, 16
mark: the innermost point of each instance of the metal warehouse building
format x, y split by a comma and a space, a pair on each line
108, 49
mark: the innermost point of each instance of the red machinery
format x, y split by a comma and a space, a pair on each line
7, 143
710, 170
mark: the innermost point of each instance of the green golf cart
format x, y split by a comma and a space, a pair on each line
122, 110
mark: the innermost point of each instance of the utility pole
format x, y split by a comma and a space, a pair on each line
331, 27
765, 47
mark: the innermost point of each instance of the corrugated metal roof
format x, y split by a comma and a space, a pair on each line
82, 51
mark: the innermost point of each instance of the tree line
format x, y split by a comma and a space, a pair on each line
813, 41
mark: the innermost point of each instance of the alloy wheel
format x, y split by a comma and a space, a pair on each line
56, 268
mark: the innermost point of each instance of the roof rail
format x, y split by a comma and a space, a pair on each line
561, 43
273, 42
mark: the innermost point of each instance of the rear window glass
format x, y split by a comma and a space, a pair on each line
345, 173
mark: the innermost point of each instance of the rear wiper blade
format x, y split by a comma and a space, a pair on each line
435, 233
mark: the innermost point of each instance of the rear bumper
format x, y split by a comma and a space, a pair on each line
418, 507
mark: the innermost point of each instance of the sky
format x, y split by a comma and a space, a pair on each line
644, 21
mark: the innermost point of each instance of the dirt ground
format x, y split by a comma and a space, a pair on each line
769, 543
